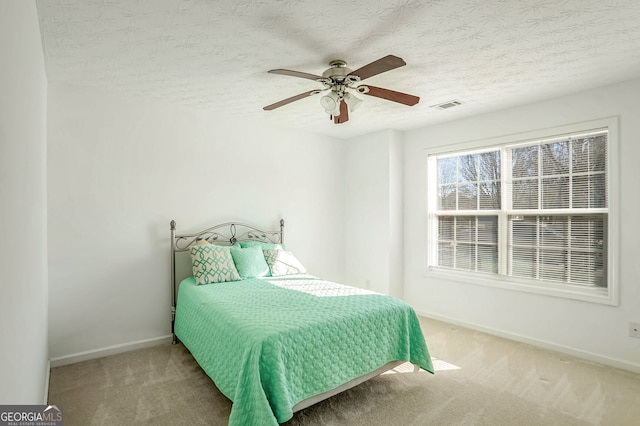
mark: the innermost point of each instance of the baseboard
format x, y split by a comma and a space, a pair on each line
46, 383
109, 350
579, 353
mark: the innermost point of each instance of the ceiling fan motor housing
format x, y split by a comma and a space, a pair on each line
338, 70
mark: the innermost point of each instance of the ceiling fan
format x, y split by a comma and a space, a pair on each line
340, 82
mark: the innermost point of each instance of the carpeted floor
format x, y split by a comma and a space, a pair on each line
480, 380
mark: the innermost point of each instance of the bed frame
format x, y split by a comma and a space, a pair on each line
229, 234
226, 234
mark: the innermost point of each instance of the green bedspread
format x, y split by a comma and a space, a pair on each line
270, 343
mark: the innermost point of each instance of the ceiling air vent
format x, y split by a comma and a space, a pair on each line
447, 105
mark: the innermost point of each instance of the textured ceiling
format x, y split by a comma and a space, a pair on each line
215, 54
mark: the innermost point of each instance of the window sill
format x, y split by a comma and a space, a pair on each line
594, 295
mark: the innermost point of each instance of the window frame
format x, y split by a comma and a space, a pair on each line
608, 295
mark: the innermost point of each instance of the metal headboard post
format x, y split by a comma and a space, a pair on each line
281, 231
226, 234
174, 340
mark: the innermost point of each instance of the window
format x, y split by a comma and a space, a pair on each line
526, 213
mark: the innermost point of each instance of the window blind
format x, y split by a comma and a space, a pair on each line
550, 196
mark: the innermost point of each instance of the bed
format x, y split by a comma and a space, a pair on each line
277, 340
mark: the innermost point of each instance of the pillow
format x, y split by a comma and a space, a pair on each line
212, 264
250, 262
283, 262
262, 245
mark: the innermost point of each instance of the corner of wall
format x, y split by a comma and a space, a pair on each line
23, 189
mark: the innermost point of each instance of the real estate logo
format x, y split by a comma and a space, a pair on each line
31, 415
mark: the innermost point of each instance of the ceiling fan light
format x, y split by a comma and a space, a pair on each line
352, 101
330, 102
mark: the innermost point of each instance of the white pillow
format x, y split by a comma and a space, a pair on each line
282, 262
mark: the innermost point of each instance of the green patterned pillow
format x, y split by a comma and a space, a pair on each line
283, 262
262, 245
250, 262
213, 264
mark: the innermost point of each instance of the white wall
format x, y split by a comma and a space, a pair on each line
373, 212
396, 214
23, 261
595, 331
120, 168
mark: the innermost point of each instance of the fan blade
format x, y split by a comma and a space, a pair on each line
344, 113
295, 74
392, 95
387, 63
289, 100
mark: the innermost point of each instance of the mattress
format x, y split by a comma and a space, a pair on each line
269, 343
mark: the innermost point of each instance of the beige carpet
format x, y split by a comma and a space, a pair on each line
481, 380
